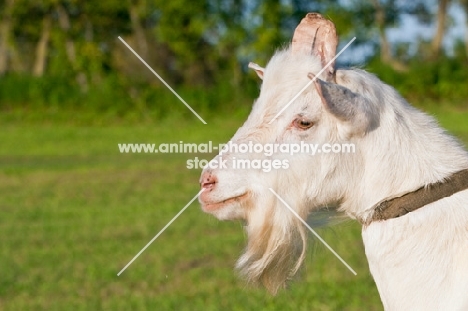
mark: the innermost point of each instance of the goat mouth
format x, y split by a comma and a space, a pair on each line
213, 206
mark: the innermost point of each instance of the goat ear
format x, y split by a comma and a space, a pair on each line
348, 107
259, 70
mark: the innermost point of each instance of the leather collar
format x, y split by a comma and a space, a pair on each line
412, 201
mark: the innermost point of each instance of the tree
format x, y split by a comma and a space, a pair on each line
136, 9
42, 47
6, 28
183, 27
382, 14
436, 44
464, 4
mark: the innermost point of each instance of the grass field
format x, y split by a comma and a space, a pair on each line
74, 211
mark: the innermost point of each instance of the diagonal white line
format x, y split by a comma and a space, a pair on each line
312, 81
162, 80
160, 232
313, 231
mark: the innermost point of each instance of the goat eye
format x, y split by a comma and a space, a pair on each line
303, 123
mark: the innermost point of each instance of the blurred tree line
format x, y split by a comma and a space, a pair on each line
66, 52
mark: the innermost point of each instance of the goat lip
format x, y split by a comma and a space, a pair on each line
213, 206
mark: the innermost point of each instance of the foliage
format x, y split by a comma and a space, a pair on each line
442, 80
201, 48
120, 98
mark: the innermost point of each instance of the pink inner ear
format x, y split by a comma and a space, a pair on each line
317, 35
259, 70
318, 88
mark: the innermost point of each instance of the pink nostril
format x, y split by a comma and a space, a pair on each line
208, 181
208, 185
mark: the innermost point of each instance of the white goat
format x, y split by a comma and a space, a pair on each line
420, 260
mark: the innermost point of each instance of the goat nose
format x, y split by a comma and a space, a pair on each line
208, 181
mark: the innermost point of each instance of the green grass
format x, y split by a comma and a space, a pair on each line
73, 212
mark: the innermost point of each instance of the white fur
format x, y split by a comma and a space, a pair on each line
419, 261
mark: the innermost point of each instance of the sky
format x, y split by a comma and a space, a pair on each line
410, 30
